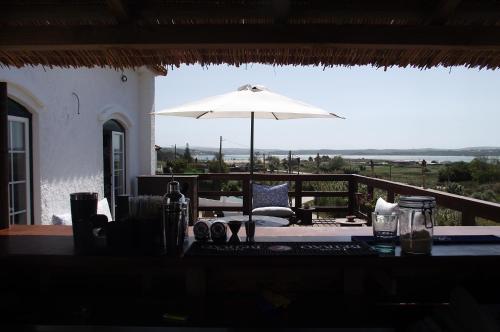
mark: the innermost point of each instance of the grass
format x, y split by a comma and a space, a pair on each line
411, 175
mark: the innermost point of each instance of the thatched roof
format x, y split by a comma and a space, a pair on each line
155, 33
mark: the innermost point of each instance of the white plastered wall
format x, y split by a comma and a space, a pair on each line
67, 140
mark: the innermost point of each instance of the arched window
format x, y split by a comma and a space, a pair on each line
20, 164
114, 161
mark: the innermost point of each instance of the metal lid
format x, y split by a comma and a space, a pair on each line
174, 186
418, 202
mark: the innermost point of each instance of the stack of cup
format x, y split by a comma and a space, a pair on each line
385, 226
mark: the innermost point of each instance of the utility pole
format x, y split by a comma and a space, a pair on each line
175, 151
298, 165
220, 154
290, 162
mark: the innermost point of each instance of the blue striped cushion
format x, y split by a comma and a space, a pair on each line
270, 195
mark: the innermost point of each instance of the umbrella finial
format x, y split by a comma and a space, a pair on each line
253, 88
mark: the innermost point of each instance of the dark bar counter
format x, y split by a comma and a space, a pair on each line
43, 282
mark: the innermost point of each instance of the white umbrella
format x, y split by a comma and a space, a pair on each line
251, 101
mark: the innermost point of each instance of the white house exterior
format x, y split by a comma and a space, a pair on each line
68, 109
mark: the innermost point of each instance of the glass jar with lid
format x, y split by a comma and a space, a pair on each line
416, 224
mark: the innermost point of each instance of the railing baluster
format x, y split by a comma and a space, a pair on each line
353, 189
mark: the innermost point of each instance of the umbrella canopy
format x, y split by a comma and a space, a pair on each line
246, 100
253, 101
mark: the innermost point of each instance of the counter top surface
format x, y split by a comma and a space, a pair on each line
41, 240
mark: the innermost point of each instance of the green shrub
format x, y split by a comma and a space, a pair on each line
214, 166
484, 171
455, 188
350, 171
334, 164
496, 188
455, 172
488, 195
178, 165
447, 217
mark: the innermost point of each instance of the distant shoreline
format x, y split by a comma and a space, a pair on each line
241, 158
367, 153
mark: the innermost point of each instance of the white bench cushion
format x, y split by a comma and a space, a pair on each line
273, 211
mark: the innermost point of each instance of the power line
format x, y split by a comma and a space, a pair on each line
231, 141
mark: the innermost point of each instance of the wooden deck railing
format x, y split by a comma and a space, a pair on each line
297, 193
469, 208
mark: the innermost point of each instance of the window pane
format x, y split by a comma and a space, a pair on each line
20, 219
117, 143
118, 163
17, 136
19, 196
19, 162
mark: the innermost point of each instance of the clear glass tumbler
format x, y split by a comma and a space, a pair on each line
385, 230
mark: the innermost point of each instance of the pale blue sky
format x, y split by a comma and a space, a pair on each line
397, 108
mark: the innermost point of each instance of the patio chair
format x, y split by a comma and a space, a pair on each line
272, 201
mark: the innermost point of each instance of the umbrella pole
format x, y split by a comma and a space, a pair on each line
250, 224
251, 168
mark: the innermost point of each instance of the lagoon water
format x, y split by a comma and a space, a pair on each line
439, 159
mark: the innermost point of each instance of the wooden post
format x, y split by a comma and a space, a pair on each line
353, 189
390, 196
468, 218
194, 201
246, 195
289, 162
4, 158
298, 193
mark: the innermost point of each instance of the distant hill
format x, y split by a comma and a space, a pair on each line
469, 151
